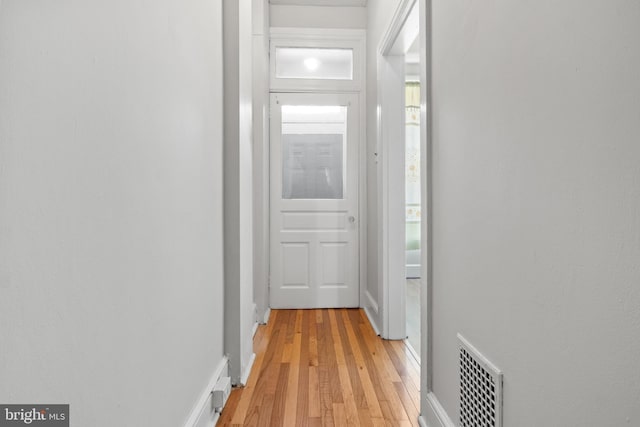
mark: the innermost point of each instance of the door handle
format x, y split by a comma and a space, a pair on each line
352, 219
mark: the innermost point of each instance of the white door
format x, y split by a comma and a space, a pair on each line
314, 201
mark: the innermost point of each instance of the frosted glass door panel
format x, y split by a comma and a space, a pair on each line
312, 166
314, 63
313, 151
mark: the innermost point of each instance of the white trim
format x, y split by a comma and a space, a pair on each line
199, 415
267, 314
370, 302
358, 36
254, 329
319, 38
260, 102
435, 415
362, 190
392, 259
317, 33
247, 369
403, 27
427, 241
412, 271
395, 26
422, 422
412, 351
334, 3
372, 321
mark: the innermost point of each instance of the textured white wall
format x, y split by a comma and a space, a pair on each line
110, 207
318, 16
536, 196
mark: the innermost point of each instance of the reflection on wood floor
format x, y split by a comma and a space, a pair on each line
326, 368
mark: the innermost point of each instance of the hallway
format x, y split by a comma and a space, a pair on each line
325, 367
172, 171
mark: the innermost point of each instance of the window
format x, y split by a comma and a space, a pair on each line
314, 63
313, 151
316, 59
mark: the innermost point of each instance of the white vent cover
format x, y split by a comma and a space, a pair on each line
221, 392
480, 389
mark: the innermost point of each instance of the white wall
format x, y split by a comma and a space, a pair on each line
110, 207
536, 197
379, 13
318, 16
238, 183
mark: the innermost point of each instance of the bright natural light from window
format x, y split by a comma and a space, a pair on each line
312, 109
314, 63
311, 64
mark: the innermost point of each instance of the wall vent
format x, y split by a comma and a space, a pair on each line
221, 392
480, 389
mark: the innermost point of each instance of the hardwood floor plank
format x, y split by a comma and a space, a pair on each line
277, 414
302, 410
294, 374
314, 393
339, 414
325, 367
230, 408
363, 371
324, 381
409, 406
330, 359
351, 410
314, 422
266, 409
313, 339
245, 402
388, 375
351, 364
286, 353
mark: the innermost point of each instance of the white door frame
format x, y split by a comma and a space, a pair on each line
391, 83
323, 38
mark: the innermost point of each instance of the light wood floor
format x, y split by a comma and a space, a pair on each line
325, 368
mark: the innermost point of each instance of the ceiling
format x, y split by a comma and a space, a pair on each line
321, 2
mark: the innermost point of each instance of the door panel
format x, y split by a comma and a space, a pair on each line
314, 201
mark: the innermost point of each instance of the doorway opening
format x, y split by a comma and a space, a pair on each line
401, 90
413, 205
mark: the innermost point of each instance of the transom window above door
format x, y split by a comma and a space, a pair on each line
316, 59
314, 63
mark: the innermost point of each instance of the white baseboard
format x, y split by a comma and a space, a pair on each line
413, 352
267, 314
254, 310
203, 414
371, 318
435, 415
422, 422
247, 370
254, 329
371, 302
